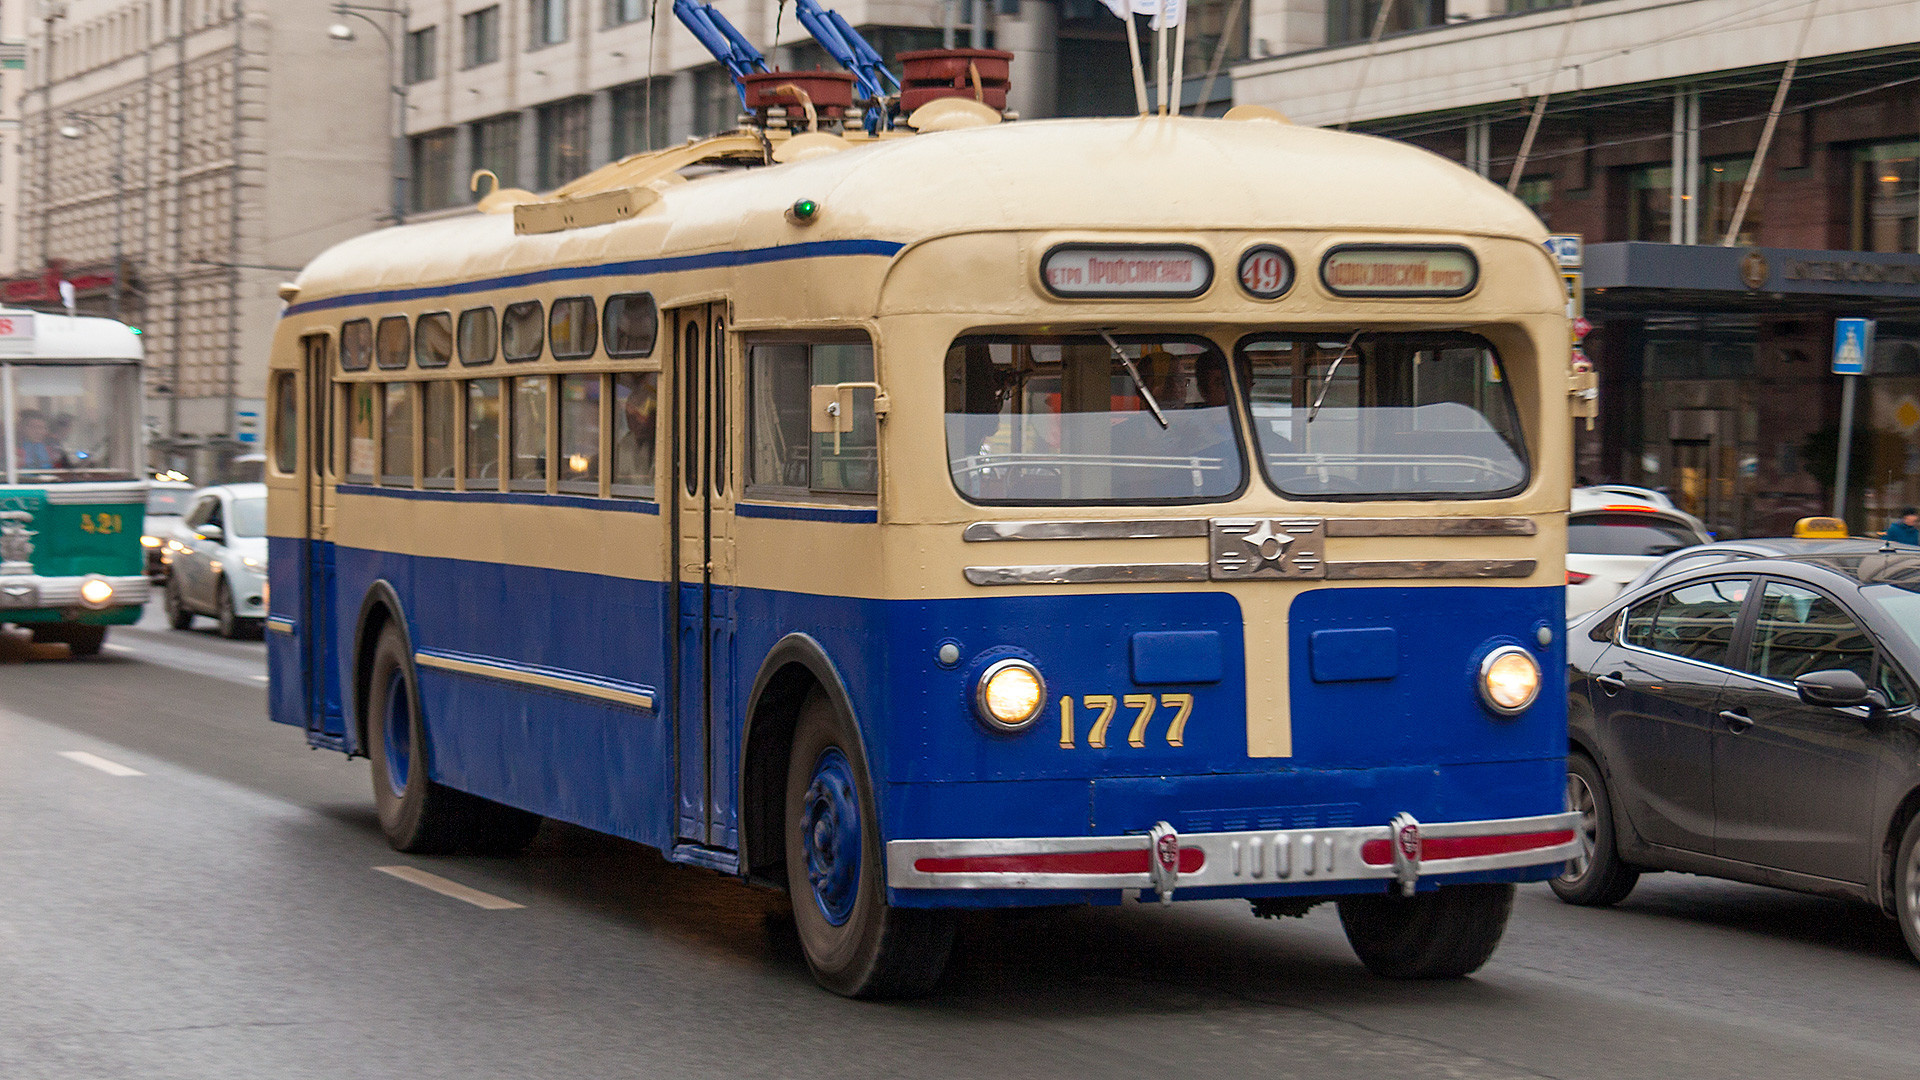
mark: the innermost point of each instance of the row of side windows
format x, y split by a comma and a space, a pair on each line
574, 328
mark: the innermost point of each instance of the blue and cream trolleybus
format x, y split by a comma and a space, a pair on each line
1000, 514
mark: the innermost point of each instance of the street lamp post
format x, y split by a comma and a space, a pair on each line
73, 128
342, 31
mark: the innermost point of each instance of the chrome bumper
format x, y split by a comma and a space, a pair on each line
20, 591
1163, 860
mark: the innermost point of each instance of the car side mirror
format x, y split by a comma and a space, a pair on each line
211, 532
1837, 689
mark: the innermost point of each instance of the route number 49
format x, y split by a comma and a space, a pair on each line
1105, 706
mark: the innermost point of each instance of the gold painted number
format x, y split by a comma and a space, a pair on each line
101, 523
1143, 702
1105, 706
1097, 738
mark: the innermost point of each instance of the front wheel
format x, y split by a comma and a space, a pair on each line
1598, 877
79, 639
178, 616
855, 944
1444, 934
1906, 886
232, 625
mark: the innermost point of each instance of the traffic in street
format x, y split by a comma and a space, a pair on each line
191, 892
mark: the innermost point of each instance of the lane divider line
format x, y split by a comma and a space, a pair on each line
444, 887
111, 768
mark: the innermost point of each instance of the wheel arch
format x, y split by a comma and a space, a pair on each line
796, 665
379, 608
1903, 813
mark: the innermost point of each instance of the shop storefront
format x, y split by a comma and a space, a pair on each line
1716, 388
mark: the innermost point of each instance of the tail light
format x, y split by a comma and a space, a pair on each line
1575, 577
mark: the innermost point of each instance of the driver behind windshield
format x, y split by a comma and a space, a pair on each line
38, 450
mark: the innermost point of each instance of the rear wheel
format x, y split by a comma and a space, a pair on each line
1597, 878
1443, 934
80, 640
178, 616
231, 624
855, 944
417, 814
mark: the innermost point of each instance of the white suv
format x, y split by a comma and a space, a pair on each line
1615, 532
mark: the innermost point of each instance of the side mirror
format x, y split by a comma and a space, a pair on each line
211, 532
1837, 690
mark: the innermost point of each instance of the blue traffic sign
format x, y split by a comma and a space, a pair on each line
1852, 345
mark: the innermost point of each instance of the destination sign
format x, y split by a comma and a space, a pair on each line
1117, 271
1368, 270
16, 333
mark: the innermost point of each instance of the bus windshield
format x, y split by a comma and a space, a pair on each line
1384, 415
1090, 418
74, 421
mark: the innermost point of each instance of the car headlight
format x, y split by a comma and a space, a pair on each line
1010, 694
1509, 680
95, 592
150, 541
252, 563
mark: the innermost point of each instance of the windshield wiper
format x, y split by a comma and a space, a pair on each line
1133, 373
1327, 383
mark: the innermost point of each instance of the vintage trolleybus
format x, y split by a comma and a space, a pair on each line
1023, 514
72, 493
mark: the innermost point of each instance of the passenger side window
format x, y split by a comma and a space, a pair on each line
522, 331
786, 451
392, 343
636, 409
439, 418
203, 511
478, 336
360, 429
433, 340
356, 345
483, 434
572, 331
1693, 621
1801, 631
396, 440
286, 423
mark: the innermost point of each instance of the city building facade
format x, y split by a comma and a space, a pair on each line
1639, 124
179, 160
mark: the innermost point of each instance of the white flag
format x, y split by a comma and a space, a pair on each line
1167, 13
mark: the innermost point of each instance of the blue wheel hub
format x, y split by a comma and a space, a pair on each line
398, 736
830, 832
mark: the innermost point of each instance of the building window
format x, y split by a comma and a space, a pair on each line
480, 37
716, 104
423, 52
496, 147
1650, 203
563, 141
1721, 181
1352, 20
433, 170
1886, 197
546, 23
621, 12
640, 123
1536, 192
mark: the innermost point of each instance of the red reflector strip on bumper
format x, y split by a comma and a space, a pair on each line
1063, 862
1436, 848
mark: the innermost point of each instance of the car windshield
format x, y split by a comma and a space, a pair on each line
73, 422
168, 502
1623, 533
1396, 415
1090, 418
249, 517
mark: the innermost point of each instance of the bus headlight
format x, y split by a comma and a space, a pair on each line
1010, 694
95, 592
1509, 680
149, 541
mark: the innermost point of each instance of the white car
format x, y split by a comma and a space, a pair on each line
1614, 533
217, 560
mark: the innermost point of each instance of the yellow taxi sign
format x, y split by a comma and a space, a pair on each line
1819, 528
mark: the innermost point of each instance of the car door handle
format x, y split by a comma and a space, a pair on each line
1736, 721
1613, 683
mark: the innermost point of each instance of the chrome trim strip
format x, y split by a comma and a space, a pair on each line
1232, 858
1115, 574
1084, 530
63, 592
104, 493
1435, 526
1430, 568
545, 679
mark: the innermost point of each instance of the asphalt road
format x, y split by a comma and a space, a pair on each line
220, 914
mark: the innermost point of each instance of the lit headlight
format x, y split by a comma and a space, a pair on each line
1010, 694
252, 563
1509, 680
95, 592
149, 541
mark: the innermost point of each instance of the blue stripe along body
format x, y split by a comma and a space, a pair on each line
1364, 748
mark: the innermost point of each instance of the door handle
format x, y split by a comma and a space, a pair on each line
1736, 721
1613, 683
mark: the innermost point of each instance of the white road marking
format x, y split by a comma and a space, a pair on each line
448, 888
111, 768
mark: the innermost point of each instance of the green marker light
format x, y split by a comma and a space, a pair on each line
803, 211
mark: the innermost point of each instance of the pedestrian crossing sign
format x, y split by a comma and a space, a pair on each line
1852, 344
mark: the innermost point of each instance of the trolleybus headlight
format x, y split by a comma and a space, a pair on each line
1010, 694
1509, 680
149, 541
96, 591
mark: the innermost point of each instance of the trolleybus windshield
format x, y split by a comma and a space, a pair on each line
1384, 415
1090, 418
74, 421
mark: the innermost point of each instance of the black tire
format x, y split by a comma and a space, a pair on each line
873, 951
418, 815
1601, 879
178, 616
1444, 934
80, 640
1906, 886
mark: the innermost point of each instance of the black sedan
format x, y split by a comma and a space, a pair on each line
1752, 717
